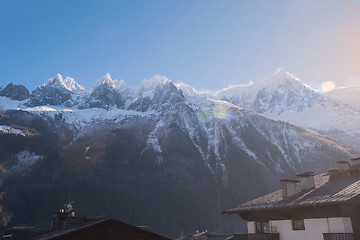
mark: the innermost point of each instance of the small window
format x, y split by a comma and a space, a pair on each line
298, 224
262, 227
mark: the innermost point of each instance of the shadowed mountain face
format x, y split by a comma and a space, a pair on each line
15, 92
149, 156
168, 170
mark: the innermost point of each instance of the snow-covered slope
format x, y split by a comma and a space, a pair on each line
283, 96
163, 145
279, 92
349, 95
215, 128
212, 124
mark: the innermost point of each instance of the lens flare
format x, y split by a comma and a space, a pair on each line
205, 115
327, 86
220, 111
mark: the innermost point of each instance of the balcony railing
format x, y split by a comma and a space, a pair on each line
338, 236
256, 236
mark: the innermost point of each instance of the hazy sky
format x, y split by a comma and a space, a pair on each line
207, 44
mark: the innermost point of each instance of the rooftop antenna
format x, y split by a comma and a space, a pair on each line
68, 206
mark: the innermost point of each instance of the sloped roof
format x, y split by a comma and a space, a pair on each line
336, 191
59, 234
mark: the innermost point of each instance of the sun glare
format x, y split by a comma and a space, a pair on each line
327, 86
220, 111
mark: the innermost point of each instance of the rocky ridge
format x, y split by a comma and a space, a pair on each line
152, 154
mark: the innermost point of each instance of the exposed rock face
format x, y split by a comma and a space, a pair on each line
57, 91
15, 92
151, 156
47, 95
104, 96
174, 169
163, 95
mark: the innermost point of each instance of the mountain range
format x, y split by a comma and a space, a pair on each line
163, 154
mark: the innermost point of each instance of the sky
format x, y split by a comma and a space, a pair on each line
207, 44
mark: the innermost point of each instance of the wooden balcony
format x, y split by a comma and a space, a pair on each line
256, 236
338, 236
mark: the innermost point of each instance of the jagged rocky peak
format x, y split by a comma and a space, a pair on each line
106, 94
115, 84
148, 86
167, 94
68, 83
15, 92
187, 90
154, 94
56, 91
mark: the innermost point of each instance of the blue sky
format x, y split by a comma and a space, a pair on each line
207, 44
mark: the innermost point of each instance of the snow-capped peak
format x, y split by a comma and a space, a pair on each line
67, 83
282, 81
187, 90
115, 84
281, 71
56, 81
148, 86
279, 78
155, 80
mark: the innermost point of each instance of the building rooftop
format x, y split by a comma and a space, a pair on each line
129, 228
328, 190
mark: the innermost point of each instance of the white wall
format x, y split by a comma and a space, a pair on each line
251, 227
338, 225
314, 228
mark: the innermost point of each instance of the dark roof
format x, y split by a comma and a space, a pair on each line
336, 191
354, 159
306, 174
19, 228
290, 180
61, 233
342, 162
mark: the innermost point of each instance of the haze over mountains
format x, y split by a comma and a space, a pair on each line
162, 154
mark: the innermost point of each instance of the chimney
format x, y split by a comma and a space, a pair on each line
343, 166
355, 162
307, 181
289, 187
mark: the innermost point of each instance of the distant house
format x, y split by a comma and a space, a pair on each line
312, 207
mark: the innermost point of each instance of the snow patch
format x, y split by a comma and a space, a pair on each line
22, 161
9, 104
86, 149
4, 129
